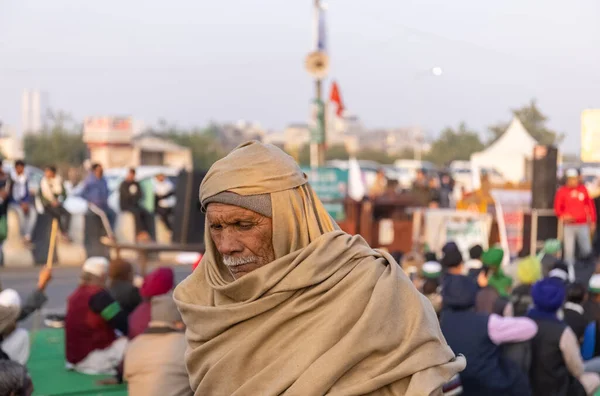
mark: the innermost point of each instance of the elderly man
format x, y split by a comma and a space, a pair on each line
284, 302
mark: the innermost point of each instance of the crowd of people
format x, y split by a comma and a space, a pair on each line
533, 333
283, 301
112, 327
16, 194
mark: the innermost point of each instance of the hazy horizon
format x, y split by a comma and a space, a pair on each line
191, 62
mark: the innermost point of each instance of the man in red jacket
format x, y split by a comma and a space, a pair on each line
576, 209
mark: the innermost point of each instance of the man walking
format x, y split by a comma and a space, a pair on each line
576, 209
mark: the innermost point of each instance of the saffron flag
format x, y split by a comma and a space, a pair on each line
336, 97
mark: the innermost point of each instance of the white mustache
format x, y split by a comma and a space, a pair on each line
232, 261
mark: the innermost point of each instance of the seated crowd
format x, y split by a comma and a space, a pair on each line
534, 335
111, 326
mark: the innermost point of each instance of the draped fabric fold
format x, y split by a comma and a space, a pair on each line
329, 316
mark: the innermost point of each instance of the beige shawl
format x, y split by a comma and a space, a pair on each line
329, 316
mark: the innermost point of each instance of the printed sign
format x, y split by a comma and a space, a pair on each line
330, 185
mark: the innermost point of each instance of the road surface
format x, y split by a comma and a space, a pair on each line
64, 281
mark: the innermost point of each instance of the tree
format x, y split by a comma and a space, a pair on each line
454, 145
534, 121
60, 143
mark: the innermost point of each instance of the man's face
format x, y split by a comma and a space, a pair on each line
19, 169
99, 171
572, 181
48, 173
131, 176
160, 178
243, 238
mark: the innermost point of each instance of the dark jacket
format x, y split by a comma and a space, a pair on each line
126, 294
130, 195
549, 375
574, 318
488, 372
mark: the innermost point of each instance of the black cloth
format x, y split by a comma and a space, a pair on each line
130, 194
576, 321
521, 300
118, 319
3, 355
142, 219
548, 263
61, 214
126, 294
165, 215
488, 371
34, 301
549, 375
591, 310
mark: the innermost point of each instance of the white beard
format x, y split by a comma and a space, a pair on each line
231, 261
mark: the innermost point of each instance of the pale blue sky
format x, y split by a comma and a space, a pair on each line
191, 61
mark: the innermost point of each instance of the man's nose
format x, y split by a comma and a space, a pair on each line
228, 243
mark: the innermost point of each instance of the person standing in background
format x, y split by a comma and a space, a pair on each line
95, 192
446, 188
164, 199
130, 195
21, 201
52, 194
577, 211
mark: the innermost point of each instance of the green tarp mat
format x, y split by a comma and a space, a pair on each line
47, 369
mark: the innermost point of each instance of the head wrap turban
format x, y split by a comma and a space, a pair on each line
329, 315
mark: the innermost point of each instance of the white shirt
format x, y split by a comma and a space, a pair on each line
164, 188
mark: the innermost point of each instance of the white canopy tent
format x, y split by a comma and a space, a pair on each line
509, 154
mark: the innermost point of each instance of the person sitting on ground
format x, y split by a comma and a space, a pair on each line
573, 310
14, 379
158, 282
492, 259
528, 272
52, 194
164, 199
130, 195
154, 361
432, 273
479, 336
95, 192
550, 255
93, 315
120, 275
556, 366
14, 340
21, 201
560, 271
474, 264
285, 302
411, 264
8, 320
37, 298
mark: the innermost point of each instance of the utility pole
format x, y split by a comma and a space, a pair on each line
317, 64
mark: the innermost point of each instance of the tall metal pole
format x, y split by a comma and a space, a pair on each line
317, 150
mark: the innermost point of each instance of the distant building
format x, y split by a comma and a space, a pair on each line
34, 107
232, 135
11, 145
111, 142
